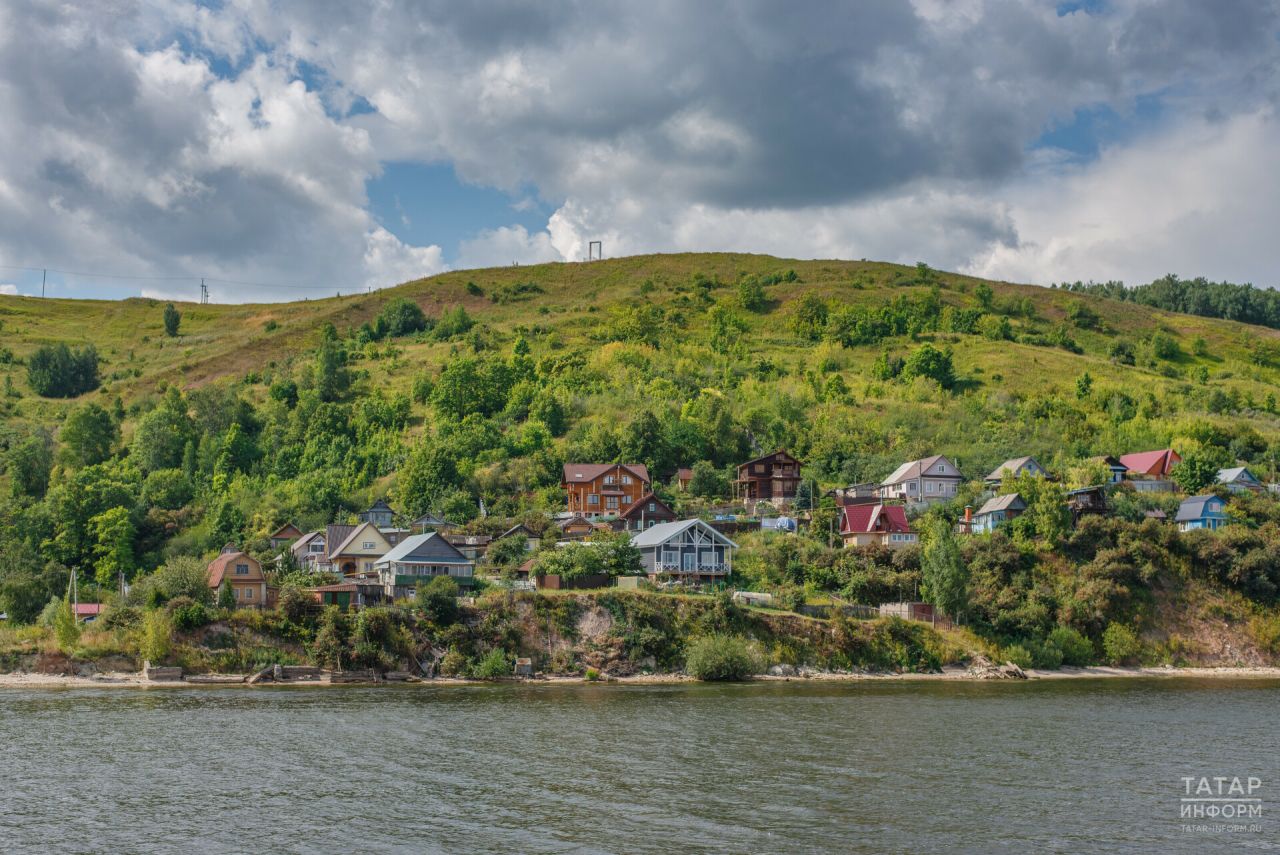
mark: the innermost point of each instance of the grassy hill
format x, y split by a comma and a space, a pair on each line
575, 304
254, 415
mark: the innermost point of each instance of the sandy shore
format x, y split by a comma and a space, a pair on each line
136, 680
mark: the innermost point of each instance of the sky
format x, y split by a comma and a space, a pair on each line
301, 148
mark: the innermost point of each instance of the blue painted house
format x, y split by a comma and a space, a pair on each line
996, 512
1202, 512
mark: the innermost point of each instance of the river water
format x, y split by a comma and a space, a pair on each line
1076, 765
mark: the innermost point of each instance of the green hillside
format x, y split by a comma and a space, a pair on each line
254, 415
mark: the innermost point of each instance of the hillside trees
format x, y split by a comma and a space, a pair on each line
88, 436
162, 435
929, 361
57, 371
944, 576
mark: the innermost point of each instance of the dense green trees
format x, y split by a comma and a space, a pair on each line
88, 436
57, 371
944, 576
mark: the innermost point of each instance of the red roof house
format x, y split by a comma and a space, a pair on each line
1151, 464
880, 524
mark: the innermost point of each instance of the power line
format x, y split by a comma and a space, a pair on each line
45, 271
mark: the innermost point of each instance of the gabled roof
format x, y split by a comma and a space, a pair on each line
300, 543
1196, 508
379, 505
429, 548
575, 473
288, 530
774, 453
864, 519
684, 473
218, 567
565, 522
1236, 473
1109, 461
1014, 467
518, 528
661, 533
915, 468
356, 532
638, 506
1151, 462
1010, 502
334, 535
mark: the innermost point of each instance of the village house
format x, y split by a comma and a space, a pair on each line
996, 512
357, 552
575, 527
1014, 468
86, 612
1113, 466
646, 512
243, 573
865, 493
1202, 512
1239, 480
690, 550
430, 522
928, 480
473, 546
875, 525
603, 489
379, 513
1087, 500
309, 551
285, 536
1150, 464
772, 477
350, 593
520, 530
683, 476
419, 558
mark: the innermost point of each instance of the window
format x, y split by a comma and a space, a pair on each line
242, 569
368, 544
315, 546
911, 487
611, 501
928, 486
653, 506
593, 499
248, 593
626, 479
609, 479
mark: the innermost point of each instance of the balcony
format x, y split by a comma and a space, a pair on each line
675, 568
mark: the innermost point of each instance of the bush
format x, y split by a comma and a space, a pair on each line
722, 657
66, 629
1047, 655
1120, 644
437, 599
401, 317
1076, 648
1019, 655
157, 636
120, 617
295, 602
187, 614
493, 666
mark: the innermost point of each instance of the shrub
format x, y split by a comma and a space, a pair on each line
187, 614
120, 617
401, 317
722, 657
294, 602
592, 675
1120, 644
1047, 655
1019, 655
493, 666
437, 599
66, 629
172, 317
1076, 648
157, 636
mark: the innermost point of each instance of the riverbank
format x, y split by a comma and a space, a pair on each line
132, 679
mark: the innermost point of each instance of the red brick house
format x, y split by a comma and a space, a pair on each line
603, 489
771, 477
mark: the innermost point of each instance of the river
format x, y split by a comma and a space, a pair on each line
1075, 765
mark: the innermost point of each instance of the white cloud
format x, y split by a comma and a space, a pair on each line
508, 245
9, 289
1201, 199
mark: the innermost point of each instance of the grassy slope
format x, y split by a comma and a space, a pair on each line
220, 341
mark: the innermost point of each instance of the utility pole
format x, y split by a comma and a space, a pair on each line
44, 277
204, 292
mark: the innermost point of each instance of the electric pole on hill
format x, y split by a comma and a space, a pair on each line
204, 292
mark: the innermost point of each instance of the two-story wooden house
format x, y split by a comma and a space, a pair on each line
243, 573
603, 489
924, 481
772, 477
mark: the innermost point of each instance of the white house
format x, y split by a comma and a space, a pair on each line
929, 480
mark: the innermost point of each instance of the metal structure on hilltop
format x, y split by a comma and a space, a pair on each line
595, 250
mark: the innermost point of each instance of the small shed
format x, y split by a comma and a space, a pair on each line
524, 667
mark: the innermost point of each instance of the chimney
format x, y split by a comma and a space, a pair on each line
968, 513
